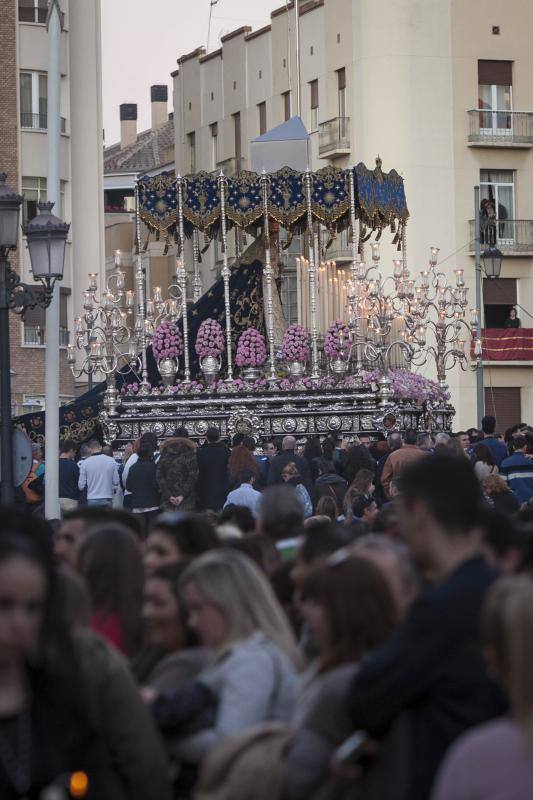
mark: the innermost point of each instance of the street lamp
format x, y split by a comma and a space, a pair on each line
492, 262
46, 236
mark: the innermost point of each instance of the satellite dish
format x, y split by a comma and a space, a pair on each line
22, 456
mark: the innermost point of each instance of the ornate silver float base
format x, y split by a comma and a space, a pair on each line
270, 413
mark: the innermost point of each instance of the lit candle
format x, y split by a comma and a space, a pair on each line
459, 277
78, 325
473, 316
398, 267
129, 299
118, 256
92, 282
375, 251
433, 255
70, 354
157, 294
120, 280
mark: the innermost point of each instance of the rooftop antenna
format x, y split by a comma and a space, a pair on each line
211, 4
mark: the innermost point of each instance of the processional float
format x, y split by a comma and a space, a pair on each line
346, 367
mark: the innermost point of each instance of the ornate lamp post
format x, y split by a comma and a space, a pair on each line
46, 236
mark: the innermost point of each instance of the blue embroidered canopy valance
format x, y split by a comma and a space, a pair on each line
379, 200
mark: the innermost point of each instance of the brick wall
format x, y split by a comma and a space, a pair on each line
27, 364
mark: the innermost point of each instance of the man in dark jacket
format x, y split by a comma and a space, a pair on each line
287, 455
497, 448
212, 486
431, 673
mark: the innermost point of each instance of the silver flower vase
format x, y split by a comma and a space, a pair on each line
296, 369
168, 368
338, 365
210, 366
251, 373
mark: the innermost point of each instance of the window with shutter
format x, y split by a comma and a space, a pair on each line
313, 90
495, 96
262, 111
499, 296
503, 402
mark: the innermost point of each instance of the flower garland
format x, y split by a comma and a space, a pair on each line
251, 349
209, 339
296, 344
167, 341
408, 385
332, 341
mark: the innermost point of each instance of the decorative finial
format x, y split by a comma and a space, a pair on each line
378, 162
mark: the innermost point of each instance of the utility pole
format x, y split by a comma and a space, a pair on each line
480, 394
52, 313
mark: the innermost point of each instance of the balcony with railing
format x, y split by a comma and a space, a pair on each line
507, 345
35, 336
39, 122
334, 137
514, 237
500, 128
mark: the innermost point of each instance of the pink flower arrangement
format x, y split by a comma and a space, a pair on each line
251, 349
296, 345
332, 341
410, 385
209, 339
167, 341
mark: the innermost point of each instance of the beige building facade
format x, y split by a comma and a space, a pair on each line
80, 168
441, 89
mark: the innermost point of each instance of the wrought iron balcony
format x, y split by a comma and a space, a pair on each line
334, 137
39, 122
35, 336
500, 128
514, 237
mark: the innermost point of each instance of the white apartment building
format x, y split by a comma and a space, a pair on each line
81, 170
441, 90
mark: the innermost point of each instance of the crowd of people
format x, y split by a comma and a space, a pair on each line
273, 621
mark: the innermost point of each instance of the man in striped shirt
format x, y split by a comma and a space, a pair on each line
517, 470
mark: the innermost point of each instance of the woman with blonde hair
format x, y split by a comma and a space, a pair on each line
498, 493
496, 759
252, 675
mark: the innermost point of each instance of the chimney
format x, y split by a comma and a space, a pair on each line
128, 124
159, 98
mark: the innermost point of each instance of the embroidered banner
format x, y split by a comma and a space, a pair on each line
507, 344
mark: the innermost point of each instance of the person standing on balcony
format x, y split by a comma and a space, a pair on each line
512, 321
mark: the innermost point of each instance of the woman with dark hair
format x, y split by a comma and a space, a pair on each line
176, 537
484, 464
241, 458
358, 457
176, 655
110, 562
349, 608
40, 684
142, 483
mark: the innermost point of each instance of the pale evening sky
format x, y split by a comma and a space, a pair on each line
141, 40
